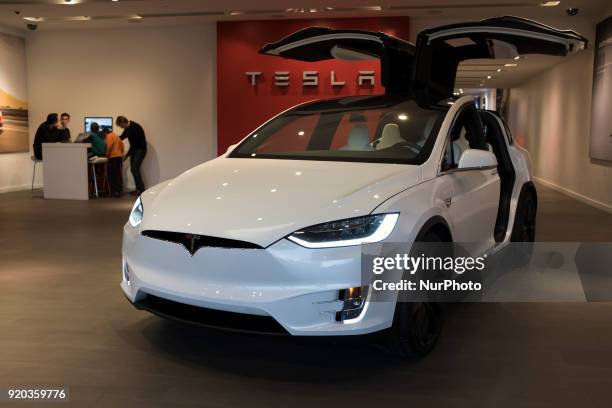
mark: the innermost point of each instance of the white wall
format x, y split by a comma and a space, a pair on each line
163, 78
15, 168
552, 114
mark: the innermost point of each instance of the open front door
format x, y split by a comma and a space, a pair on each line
440, 50
319, 44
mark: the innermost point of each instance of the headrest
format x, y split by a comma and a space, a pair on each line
390, 136
359, 136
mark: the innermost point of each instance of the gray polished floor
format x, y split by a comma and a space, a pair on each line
64, 321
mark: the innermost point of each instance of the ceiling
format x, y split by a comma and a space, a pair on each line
502, 73
81, 14
63, 14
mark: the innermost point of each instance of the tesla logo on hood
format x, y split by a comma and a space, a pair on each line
190, 243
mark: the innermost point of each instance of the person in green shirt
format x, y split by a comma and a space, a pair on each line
97, 140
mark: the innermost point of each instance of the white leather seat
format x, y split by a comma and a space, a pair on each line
390, 136
358, 139
459, 146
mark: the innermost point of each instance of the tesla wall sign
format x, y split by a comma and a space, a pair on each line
310, 78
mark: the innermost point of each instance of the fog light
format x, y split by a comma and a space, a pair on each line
126, 272
353, 301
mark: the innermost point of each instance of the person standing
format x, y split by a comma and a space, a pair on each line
135, 134
47, 132
64, 132
114, 152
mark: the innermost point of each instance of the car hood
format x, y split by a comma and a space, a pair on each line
262, 200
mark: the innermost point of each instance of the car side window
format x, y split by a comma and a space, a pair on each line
466, 133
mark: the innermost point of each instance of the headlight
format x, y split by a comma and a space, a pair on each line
351, 231
137, 213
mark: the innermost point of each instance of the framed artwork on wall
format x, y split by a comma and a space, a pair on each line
13, 95
601, 120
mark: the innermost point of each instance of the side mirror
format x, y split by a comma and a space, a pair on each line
472, 159
230, 148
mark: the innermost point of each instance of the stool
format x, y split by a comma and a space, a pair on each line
34, 160
105, 184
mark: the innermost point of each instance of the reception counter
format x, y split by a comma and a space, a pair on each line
65, 171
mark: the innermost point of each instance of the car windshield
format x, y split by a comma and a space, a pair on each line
370, 129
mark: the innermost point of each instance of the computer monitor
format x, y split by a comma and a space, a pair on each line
105, 122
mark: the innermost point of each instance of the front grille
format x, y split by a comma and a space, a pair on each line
193, 242
209, 317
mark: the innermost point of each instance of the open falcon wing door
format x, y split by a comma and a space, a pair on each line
319, 44
440, 50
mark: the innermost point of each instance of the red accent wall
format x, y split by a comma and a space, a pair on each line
242, 107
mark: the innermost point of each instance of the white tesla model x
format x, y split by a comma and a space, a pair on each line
268, 237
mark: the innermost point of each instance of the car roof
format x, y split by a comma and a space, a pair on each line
355, 103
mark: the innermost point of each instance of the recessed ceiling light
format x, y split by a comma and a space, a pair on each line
489, 77
77, 18
549, 3
301, 10
328, 8
510, 65
518, 57
499, 70
236, 13
359, 8
37, 19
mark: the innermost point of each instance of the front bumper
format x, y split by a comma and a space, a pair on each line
295, 286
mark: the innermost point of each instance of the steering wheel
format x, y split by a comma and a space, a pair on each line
411, 145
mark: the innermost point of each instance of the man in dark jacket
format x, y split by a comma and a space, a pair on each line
47, 132
135, 134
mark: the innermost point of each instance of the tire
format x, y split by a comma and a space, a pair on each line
523, 231
525, 220
416, 326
